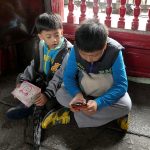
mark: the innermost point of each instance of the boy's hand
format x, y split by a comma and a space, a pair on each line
91, 108
77, 99
18, 85
40, 101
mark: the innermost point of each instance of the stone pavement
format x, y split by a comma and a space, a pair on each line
16, 135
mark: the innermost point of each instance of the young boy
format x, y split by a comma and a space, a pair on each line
49, 54
95, 74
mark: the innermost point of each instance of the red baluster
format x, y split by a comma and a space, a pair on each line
95, 8
108, 13
71, 17
135, 22
121, 22
58, 7
83, 10
148, 22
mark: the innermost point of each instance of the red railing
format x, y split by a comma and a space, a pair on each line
133, 32
71, 16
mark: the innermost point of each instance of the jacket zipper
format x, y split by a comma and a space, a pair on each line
91, 67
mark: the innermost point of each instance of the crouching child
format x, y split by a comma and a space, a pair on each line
95, 77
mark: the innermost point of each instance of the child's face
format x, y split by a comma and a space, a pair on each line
51, 38
92, 56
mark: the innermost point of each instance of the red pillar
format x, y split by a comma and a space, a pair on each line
1, 62
4, 60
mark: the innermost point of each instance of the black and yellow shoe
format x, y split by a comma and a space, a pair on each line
123, 123
60, 116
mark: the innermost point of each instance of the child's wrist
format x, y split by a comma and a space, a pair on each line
79, 96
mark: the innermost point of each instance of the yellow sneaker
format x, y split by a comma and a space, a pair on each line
61, 116
123, 123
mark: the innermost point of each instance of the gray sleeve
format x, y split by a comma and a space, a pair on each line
28, 74
55, 83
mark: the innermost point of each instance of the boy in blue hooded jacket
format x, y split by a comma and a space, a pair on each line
95, 74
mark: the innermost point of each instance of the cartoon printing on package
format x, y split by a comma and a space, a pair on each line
27, 93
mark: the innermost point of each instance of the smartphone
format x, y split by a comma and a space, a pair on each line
79, 105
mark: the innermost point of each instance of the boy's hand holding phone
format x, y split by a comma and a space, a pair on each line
79, 105
91, 107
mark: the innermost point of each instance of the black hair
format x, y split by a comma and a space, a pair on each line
91, 36
48, 21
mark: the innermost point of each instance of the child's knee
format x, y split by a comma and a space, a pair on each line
127, 103
128, 106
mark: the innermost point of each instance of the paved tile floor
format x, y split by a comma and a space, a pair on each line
16, 135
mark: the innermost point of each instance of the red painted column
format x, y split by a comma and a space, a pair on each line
108, 13
95, 8
58, 7
1, 61
83, 11
71, 17
148, 21
121, 22
135, 22
11, 58
4, 60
